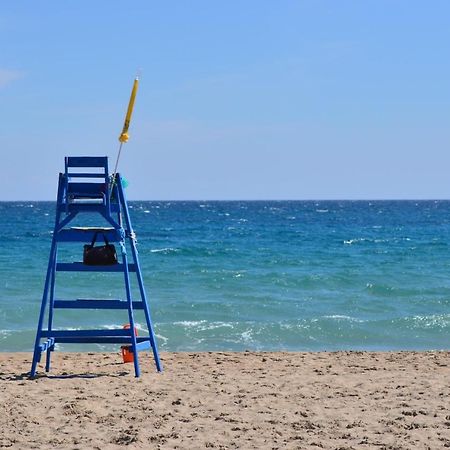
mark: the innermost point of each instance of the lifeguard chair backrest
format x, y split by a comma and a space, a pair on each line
87, 179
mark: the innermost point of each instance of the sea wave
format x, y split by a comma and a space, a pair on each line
165, 250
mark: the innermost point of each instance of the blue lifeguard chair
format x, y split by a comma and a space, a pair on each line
100, 194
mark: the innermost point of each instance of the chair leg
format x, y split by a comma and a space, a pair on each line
146, 308
137, 369
50, 317
37, 352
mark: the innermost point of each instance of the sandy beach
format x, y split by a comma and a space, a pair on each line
342, 400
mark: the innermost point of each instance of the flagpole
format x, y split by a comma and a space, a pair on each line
124, 135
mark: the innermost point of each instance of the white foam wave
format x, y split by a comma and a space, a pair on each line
203, 325
189, 323
433, 321
5, 333
162, 338
343, 317
164, 250
247, 336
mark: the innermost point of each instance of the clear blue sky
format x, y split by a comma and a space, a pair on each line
238, 99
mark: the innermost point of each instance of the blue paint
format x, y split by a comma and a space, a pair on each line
106, 199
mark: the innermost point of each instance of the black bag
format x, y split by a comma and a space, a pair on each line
102, 255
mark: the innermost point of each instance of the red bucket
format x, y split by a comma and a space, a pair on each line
127, 354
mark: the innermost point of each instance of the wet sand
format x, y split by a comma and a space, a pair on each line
339, 400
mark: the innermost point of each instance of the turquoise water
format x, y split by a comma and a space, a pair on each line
288, 275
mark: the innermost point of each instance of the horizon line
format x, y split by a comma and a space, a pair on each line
267, 200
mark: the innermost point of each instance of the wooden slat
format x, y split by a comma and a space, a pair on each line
85, 333
80, 267
87, 207
87, 161
86, 175
95, 304
98, 340
88, 188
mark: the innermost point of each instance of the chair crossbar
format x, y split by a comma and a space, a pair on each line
86, 161
95, 304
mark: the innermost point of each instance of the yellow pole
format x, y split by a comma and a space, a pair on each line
124, 135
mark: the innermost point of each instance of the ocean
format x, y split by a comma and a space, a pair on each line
251, 275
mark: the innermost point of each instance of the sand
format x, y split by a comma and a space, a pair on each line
343, 400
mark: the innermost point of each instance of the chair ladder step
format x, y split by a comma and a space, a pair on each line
80, 267
118, 336
82, 303
142, 345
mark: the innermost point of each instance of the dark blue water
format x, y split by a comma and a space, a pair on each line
288, 275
